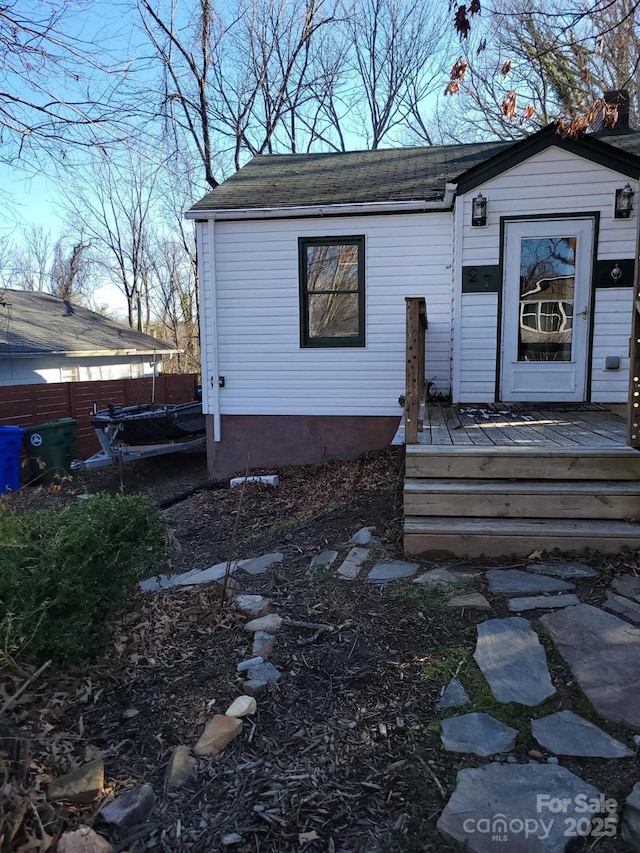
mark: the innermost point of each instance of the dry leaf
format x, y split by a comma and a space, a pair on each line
509, 105
528, 113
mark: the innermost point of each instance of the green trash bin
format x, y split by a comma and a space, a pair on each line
50, 449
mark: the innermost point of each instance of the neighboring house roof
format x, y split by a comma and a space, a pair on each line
40, 324
399, 174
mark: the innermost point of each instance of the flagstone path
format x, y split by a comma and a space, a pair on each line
502, 805
498, 805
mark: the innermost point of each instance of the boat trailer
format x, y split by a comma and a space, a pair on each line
114, 452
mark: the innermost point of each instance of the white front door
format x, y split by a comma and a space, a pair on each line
545, 310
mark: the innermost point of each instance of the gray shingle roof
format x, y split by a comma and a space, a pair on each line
356, 177
38, 323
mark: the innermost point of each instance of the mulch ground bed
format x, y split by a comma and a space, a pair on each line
344, 754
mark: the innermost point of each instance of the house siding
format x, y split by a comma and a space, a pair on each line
48, 369
611, 332
478, 347
267, 372
549, 183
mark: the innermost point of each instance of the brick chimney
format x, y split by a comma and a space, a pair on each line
616, 98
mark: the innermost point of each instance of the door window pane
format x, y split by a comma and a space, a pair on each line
547, 282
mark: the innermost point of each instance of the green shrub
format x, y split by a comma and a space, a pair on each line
62, 573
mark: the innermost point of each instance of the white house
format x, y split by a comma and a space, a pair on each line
524, 253
46, 339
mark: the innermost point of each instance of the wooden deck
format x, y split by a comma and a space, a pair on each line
588, 425
500, 480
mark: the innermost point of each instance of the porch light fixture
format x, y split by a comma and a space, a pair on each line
624, 202
479, 210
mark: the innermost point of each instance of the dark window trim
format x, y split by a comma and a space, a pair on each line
305, 341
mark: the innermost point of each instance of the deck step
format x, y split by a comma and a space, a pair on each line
525, 462
475, 537
576, 499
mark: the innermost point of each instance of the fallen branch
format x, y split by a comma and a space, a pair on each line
316, 627
437, 782
13, 699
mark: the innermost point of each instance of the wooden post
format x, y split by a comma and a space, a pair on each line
633, 417
633, 412
416, 312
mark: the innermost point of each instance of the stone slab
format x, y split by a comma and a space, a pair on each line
364, 536
243, 706
514, 582
513, 661
253, 606
259, 565
385, 572
263, 644
542, 602
603, 652
453, 695
81, 785
479, 734
627, 585
323, 560
191, 578
470, 599
564, 571
244, 665
131, 808
253, 687
264, 672
631, 819
500, 801
269, 623
253, 565
353, 562
181, 767
437, 577
218, 734
82, 840
626, 607
565, 733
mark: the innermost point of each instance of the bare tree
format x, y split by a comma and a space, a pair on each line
70, 272
536, 61
114, 203
238, 86
175, 305
175, 302
58, 91
30, 261
397, 61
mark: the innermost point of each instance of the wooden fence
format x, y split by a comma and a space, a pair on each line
29, 405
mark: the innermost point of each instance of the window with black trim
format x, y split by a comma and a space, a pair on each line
331, 291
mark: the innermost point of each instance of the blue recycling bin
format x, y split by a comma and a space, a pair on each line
10, 444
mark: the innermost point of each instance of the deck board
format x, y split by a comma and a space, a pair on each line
534, 426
